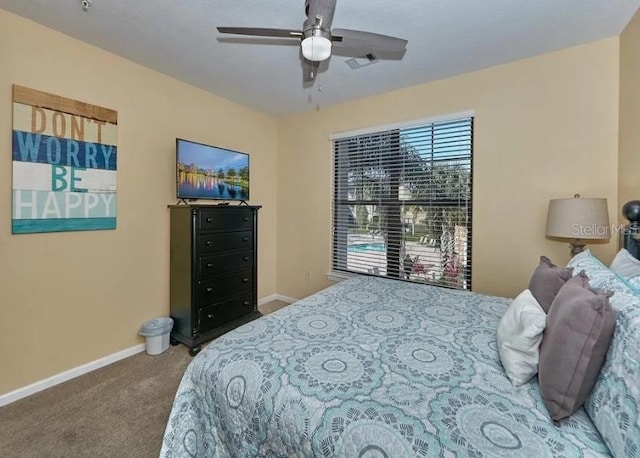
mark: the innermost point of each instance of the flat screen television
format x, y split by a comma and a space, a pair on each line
209, 172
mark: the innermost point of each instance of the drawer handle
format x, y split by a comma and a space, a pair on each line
245, 239
245, 280
246, 258
246, 302
208, 243
209, 290
246, 218
209, 265
209, 315
209, 220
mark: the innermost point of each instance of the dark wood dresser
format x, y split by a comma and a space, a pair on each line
213, 278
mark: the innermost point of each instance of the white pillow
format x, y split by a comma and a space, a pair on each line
625, 265
519, 337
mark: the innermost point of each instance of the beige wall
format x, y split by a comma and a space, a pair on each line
69, 298
629, 166
545, 127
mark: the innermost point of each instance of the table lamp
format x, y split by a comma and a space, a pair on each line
577, 219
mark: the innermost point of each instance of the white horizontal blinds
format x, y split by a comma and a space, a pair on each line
402, 203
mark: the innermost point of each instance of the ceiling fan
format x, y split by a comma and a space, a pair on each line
317, 38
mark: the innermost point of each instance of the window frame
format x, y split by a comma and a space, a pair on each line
341, 203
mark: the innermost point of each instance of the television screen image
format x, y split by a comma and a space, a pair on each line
209, 172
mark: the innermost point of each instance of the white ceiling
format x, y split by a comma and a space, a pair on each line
446, 38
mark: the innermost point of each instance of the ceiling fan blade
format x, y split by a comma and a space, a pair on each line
261, 32
320, 8
309, 70
357, 39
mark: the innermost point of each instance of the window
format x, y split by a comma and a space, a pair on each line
402, 203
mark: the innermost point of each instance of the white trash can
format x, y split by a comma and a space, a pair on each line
157, 333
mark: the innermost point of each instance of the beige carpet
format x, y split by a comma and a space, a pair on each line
117, 411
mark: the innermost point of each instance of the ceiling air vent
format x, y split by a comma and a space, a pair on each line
363, 61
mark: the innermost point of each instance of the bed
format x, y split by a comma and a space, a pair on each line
372, 367
376, 367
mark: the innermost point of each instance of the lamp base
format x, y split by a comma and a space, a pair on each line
576, 247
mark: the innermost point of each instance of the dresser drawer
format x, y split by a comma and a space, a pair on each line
215, 315
210, 243
217, 289
214, 265
225, 219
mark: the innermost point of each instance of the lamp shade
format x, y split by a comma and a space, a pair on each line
578, 218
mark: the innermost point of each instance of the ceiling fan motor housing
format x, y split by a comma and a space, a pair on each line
319, 12
315, 31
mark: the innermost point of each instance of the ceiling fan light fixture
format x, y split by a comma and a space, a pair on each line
316, 48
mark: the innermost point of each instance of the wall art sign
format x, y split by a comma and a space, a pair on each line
64, 164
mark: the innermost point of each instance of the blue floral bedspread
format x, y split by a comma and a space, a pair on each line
368, 367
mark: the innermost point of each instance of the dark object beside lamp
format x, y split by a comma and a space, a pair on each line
631, 232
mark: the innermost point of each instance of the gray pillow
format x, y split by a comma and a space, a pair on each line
547, 281
580, 326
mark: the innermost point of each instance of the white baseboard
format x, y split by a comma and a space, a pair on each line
276, 297
54, 380
36, 387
